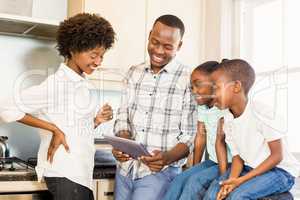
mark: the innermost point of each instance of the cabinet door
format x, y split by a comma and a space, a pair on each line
95, 188
191, 13
128, 19
105, 189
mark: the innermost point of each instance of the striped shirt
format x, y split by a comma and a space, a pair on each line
158, 110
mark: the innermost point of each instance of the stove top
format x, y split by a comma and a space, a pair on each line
13, 168
18, 176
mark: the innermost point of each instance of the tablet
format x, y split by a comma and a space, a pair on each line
130, 147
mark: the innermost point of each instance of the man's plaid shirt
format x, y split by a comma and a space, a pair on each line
158, 110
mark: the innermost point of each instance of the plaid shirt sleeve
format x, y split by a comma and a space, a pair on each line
122, 115
188, 125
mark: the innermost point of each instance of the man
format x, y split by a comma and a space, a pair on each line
158, 111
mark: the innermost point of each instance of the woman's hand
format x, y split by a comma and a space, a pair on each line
104, 114
58, 138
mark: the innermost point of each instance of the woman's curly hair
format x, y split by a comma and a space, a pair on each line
83, 32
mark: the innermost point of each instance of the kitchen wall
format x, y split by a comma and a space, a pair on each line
19, 55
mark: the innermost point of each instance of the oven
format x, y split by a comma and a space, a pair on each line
42, 195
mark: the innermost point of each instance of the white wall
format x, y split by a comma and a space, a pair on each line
18, 55
212, 42
51, 10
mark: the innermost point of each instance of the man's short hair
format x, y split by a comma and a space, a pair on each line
172, 21
239, 70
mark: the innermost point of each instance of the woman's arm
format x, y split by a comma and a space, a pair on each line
58, 137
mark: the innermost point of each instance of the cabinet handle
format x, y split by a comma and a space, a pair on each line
108, 193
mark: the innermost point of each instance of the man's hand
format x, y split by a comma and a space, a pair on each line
156, 162
228, 186
104, 114
120, 156
58, 138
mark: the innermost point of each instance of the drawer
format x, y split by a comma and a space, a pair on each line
105, 189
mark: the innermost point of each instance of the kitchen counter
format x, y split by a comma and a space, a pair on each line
100, 172
104, 172
105, 164
105, 167
101, 144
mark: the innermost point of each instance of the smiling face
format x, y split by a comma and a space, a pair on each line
164, 42
86, 61
202, 87
225, 89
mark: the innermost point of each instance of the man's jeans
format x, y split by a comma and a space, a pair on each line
274, 181
151, 187
193, 183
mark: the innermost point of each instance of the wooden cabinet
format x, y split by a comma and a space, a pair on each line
128, 20
132, 21
104, 189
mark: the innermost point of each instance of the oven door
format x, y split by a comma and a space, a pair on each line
44, 195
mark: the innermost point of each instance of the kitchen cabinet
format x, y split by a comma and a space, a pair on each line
36, 19
132, 21
128, 19
105, 189
28, 26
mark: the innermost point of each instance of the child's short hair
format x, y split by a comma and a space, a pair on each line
238, 69
83, 32
207, 67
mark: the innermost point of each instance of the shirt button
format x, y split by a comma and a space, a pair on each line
150, 94
143, 130
154, 76
146, 113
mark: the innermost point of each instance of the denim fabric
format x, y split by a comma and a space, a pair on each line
192, 183
151, 187
275, 181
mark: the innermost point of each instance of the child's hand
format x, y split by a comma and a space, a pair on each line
233, 182
104, 114
222, 194
228, 186
224, 191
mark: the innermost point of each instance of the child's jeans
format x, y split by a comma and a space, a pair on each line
193, 183
151, 187
274, 181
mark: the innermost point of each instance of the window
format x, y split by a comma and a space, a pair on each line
266, 33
